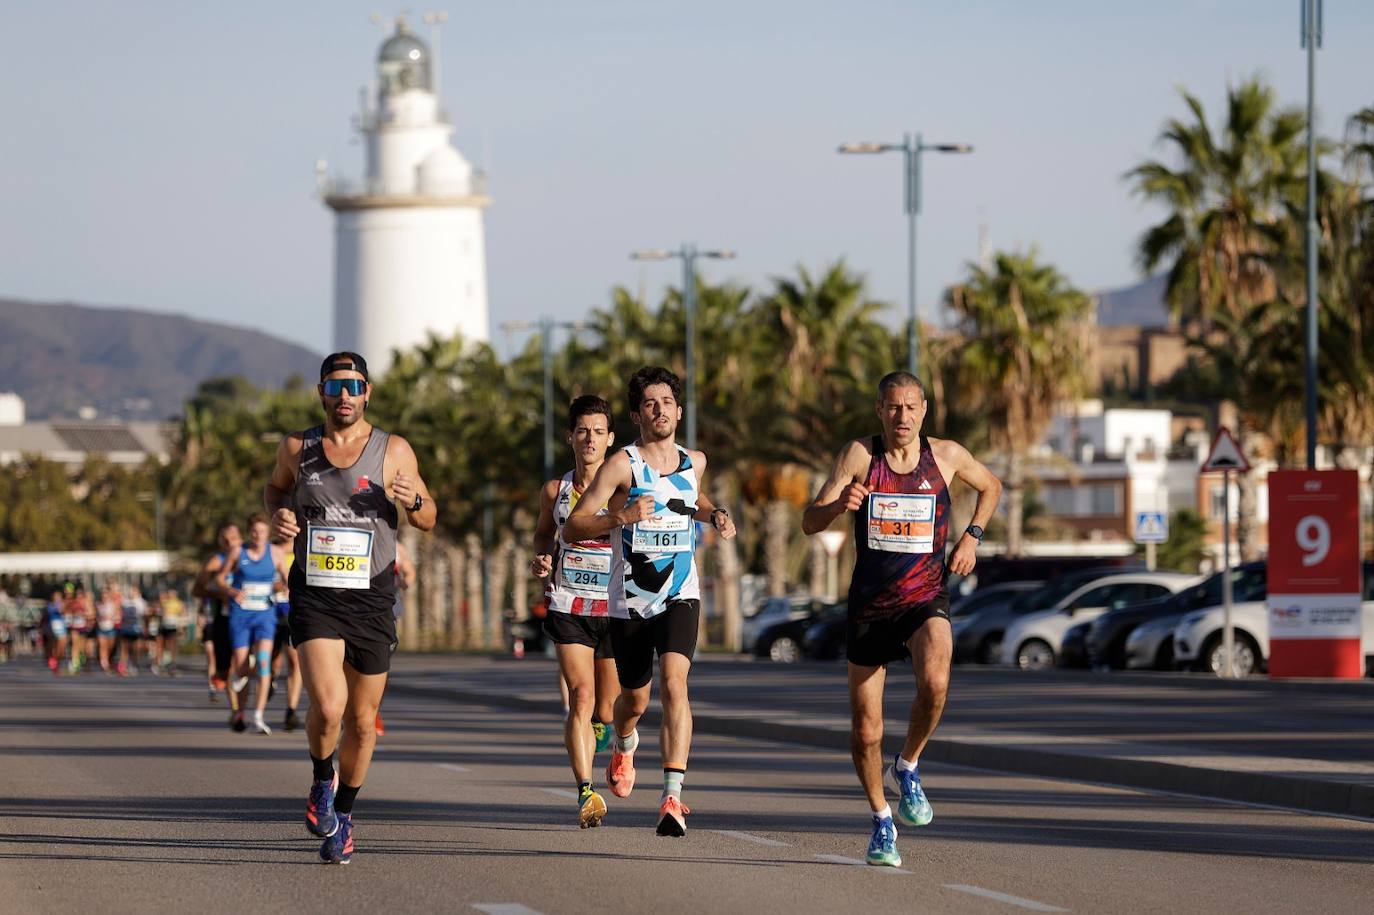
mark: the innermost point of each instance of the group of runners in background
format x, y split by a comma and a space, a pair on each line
117, 630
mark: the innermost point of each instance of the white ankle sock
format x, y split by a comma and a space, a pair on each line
627, 744
884, 814
904, 766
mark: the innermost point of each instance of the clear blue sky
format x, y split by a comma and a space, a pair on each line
161, 155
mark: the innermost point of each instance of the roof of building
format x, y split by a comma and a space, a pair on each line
64, 440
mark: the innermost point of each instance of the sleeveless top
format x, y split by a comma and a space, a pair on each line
254, 577
899, 537
581, 576
346, 551
654, 561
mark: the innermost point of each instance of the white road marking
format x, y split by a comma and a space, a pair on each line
504, 908
841, 859
452, 767
562, 792
749, 837
1003, 897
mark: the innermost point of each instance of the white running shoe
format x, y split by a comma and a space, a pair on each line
260, 726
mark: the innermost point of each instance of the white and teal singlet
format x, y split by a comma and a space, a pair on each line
654, 560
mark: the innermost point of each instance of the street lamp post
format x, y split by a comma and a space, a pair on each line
911, 148
545, 327
1311, 40
689, 254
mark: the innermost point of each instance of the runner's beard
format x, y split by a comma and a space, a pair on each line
344, 421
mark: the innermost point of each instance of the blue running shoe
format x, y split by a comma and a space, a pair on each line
338, 848
914, 809
602, 733
882, 848
320, 818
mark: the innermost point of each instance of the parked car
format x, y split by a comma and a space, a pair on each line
1034, 641
1198, 635
978, 635
771, 611
782, 641
1150, 646
824, 639
1107, 635
1073, 650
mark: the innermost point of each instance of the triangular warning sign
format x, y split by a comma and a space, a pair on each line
1225, 454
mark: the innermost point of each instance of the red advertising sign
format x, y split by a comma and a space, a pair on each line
1314, 574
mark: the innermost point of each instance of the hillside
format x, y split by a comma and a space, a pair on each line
128, 363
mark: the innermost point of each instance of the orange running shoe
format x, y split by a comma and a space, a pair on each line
620, 773
672, 817
381, 728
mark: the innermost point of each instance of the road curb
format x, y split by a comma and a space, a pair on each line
1309, 794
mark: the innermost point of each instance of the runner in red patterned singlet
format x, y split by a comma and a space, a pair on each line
898, 486
578, 620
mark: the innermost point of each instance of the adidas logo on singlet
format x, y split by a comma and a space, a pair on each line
925, 484
314, 480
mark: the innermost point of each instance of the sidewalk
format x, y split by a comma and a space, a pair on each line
1306, 745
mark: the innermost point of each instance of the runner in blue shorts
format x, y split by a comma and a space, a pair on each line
246, 581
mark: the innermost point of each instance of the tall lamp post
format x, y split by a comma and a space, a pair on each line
545, 327
911, 147
689, 254
1311, 40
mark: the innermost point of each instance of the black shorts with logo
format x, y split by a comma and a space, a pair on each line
874, 643
636, 639
369, 636
569, 629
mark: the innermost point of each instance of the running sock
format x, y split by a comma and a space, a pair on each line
343, 801
903, 765
583, 789
324, 768
884, 814
672, 783
629, 743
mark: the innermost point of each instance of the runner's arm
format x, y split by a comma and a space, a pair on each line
405, 569
207, 572
276, 495
221, 587
719, 518
545, 530
585, 524
842, 491
407, 483
972, 471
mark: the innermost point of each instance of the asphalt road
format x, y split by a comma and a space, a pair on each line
133, 796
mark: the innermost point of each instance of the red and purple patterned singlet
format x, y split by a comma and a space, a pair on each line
899, 536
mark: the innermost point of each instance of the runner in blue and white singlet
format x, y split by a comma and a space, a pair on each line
654, 494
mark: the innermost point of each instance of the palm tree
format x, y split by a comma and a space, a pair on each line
1226, 222
1025, 351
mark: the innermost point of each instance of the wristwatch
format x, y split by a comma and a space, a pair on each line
975, 532
419, 503
722, 511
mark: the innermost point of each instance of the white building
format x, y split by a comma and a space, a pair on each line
410, 255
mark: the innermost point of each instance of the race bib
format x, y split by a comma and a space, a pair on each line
901, 522
585, 573
665, 533
257, 595
59, 628
338, 557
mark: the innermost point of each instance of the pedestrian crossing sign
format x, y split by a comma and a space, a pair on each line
1151, 527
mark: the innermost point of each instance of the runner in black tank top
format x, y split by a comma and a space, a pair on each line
897, 484
335, 489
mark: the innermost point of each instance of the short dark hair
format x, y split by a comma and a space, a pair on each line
588, 405
647, 377
344, 362
225, 525
899, 380
257, 518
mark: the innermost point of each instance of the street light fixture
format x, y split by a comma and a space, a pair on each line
911, 147
689, 254
545, 327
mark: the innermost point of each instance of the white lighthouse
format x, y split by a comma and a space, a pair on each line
409, 257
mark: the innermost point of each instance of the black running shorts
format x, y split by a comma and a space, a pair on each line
635, 640
592, 631
878, 642
369, 637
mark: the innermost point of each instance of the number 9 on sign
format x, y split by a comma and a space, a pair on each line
1314, 539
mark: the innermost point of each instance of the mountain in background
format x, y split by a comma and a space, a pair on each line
1139, 305
127, 363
